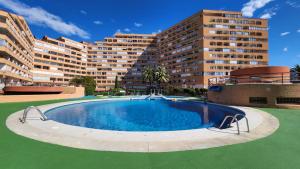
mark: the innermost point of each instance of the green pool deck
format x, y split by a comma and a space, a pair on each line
278, 151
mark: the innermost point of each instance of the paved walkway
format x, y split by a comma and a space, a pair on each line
261, 123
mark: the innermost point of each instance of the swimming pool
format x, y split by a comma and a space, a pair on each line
141, 115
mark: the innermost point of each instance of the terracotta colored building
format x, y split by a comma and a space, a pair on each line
125, 56
212, 44
16, 50
258, 87
57, 61
205, 45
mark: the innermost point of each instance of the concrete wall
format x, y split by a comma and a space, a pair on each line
78, 92
69, 90
239, 94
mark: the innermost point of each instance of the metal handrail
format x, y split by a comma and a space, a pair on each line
247, 121
25, 113
281, 78
224, 120
234, 118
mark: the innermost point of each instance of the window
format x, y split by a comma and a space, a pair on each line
206, 49
233, 62
288, 100
232, 44
258, 100
2, 42
212, 32
253, 63
226, 50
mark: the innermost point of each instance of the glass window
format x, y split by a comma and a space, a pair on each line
2, 42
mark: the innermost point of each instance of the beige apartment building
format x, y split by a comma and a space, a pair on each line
125, 56
57, 61
209, 44
16, 54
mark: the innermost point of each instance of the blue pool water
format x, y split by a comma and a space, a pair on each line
141, 115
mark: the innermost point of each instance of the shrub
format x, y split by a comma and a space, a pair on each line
198, 91
189, 91
203, 91
178, 91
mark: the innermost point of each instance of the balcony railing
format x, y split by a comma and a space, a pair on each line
274, 78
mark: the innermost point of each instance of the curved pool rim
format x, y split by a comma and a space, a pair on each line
262, 124
227, 110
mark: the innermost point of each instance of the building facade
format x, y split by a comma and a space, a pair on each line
124, 56
209, 44
16, 50
57, 61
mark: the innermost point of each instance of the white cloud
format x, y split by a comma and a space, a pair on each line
83, 12
40, 17
127, 30
250, 7
284, 33
298, 30
266, 16
98, 22
269, 13
138, 24
157, 32
118, 31
293, 4
285, 49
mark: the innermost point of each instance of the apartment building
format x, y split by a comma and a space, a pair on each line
16, 50
211, 44
57, 61
125, 56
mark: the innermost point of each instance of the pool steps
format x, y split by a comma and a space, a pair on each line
235, 119
27, 110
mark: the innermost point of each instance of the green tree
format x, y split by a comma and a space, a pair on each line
117, 86
161, 75
296, 72
296, 68
88, 83
77, 81
149, 75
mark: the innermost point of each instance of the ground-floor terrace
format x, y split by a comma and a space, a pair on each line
279, 150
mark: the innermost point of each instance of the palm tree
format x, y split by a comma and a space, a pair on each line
149, 75
161, 75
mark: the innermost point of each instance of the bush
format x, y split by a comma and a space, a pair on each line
89, 85
178, 91
119, 94
189, 91
203, 91
198, 91
102, 93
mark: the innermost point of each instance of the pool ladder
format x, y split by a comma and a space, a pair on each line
234, 119
26, 111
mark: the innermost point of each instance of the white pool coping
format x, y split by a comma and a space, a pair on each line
261, 124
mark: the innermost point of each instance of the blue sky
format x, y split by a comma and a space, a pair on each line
94, 20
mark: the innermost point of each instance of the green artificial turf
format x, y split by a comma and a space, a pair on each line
278, 151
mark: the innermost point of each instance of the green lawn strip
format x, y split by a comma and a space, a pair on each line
278, 151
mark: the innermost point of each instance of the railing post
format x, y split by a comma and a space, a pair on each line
238, 126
